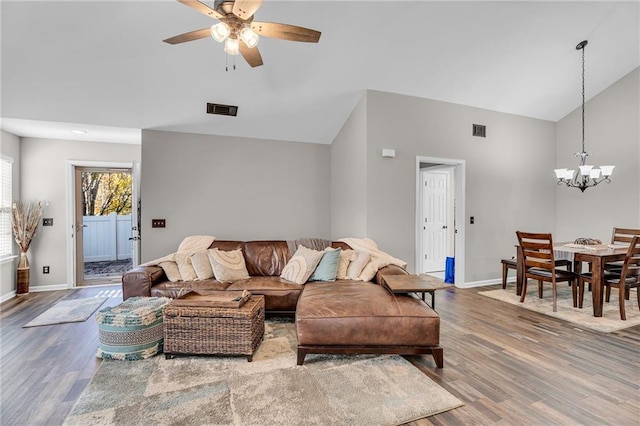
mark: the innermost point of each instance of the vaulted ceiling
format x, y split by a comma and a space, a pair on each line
102, 65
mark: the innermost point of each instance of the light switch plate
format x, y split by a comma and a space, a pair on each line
158, 223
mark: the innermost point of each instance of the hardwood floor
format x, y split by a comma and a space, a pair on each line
508, 365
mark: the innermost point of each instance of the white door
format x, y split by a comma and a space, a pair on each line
435, 220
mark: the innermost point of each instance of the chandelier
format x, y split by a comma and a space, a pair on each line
586, 176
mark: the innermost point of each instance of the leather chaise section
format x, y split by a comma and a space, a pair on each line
363, 314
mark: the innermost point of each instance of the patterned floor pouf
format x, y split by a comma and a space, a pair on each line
132, 330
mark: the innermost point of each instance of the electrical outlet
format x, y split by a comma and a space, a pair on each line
158, 223
47, 221
472, 220
45, 269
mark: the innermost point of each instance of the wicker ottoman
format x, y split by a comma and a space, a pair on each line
207, 330
132, 330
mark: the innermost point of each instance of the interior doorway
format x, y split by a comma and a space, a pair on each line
104, 216
437, 216
440, 213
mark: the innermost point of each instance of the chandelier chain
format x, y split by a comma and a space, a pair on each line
583, 98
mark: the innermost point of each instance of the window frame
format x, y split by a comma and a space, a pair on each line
6, 199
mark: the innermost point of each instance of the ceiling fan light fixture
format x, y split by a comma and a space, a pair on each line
249, 37
231, 46
220, 32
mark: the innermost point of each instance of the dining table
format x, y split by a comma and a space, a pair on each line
596, 256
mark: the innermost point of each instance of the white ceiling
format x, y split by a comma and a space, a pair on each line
102, 66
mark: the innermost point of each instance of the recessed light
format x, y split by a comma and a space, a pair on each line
79, 132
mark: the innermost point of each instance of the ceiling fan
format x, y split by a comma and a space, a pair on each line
239, 31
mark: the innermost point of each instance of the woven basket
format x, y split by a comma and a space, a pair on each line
198, 330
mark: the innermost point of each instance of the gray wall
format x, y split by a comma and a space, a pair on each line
349, 176
508, 186
10, 147
231, 188
44, 177
612, 136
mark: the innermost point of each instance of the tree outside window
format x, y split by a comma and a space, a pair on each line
106, 192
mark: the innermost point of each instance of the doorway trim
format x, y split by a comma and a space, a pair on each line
459, 173
71, 209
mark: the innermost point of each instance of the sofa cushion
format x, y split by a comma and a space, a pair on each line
327, 269
174, 290
266, 258
363, 314
228, 266
279, 294
301, 265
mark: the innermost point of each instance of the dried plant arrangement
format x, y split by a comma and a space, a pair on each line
25, 217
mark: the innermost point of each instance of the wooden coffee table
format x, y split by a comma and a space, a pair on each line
402, 284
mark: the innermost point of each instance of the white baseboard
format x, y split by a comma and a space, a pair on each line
480, 283
7, 296
54, 287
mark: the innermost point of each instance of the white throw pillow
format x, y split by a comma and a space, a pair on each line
171, 270
371, 269
300, 267
183, 259
346, 257
202, 265
228, 266
355, 267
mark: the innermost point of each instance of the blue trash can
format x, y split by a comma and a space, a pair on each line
449, 270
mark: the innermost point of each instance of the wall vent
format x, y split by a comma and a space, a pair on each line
480, 130
220, 109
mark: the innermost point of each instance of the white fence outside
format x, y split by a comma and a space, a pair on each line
106, 238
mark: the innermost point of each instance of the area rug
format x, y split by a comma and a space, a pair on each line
67, 310
326, 390
610, 320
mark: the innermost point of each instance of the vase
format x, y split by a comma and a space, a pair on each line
23, 274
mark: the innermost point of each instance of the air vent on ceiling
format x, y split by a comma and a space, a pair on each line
480, 130
220, 109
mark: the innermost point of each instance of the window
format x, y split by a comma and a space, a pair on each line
6, 248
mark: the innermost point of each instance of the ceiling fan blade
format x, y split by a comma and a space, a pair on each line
202, 8
251, 55
286, 32
244, 9
190, 36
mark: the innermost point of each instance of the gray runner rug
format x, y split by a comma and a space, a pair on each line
67, 310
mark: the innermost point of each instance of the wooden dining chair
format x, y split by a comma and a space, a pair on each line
628, 278
620, 236
540, 265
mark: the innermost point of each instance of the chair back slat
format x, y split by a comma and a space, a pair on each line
623, 235
631, 265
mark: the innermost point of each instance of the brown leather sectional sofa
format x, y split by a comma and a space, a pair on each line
340, 317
